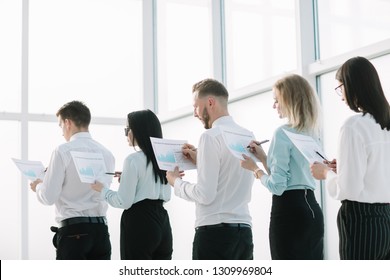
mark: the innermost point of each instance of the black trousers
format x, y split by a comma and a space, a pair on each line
297, 227
146, 232
84, 241
364, 231
223, 243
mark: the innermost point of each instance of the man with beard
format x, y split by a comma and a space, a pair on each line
223, 188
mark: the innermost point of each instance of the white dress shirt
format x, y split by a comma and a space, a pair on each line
223, 188
137, 183
363, 162
62, 186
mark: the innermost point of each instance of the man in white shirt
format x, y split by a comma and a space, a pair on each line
223, 188
80, 211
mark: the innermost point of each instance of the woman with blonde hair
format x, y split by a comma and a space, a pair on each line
297, 224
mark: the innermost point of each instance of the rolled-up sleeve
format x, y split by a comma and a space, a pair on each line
279, 164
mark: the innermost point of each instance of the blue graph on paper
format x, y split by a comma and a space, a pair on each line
87, 171
30, 173
238, 147
166, 157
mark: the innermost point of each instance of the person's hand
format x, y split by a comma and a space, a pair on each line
332, 165
117, 174
257, 151
189, 151
173, 175
248, 163
319, 170
97, 186
33, 184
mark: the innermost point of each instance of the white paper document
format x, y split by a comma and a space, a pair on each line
31, 169
169, 155
309, 148
89, 166
237, 142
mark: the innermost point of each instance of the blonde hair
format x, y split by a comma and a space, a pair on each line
299, 103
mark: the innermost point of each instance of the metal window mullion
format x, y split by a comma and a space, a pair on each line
218, 40
150, 71
24, 129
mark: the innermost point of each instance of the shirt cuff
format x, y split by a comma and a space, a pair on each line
103, 193
177, 186
264, 179
38, 187
331, 185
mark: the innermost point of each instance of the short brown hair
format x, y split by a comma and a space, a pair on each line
77, 112
210, 87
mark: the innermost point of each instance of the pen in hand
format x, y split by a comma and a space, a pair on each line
114, 173
259, 143
327, 161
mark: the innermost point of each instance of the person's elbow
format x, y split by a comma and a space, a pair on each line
278, 189
47, 200
278, 192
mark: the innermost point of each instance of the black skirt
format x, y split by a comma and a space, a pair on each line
297, 227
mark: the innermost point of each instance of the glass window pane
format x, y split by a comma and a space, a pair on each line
10, 55
260, 40
382, 65
89, 50
10, 200
184, 50
350, 24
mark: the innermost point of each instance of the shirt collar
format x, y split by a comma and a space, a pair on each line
80, 135
222, 121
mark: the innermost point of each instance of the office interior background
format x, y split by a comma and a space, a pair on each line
124, 55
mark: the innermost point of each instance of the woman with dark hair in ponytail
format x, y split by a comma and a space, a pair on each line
145, 228
360, 177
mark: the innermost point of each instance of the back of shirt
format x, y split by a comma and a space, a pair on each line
363, 162
225, 185
62, 185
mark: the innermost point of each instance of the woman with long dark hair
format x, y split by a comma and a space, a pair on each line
145, 227
361, 174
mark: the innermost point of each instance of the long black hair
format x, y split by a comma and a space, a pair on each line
363, 90
145, 124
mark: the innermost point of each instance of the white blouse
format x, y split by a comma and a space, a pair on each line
363, 162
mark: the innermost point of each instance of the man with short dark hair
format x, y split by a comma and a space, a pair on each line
80, 211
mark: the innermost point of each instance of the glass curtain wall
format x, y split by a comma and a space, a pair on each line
84, 50
123, 55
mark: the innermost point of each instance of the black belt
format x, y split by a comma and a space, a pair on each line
83, 220
225, 225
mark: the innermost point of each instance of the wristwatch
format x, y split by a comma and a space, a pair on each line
257, 173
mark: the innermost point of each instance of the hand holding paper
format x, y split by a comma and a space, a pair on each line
173, 175
189, 151
169, 154
31, 169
